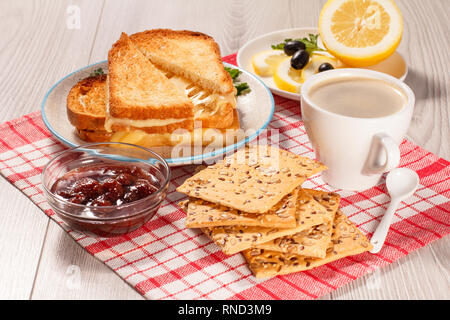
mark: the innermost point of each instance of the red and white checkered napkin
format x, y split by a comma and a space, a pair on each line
163, 260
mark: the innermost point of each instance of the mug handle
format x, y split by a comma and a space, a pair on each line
383, 143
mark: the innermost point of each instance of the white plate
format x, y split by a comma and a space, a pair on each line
255, 112
395, 65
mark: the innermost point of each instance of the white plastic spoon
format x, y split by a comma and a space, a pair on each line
401, 183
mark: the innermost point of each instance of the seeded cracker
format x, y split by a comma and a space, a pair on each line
201, 213
233, 239
251, 180
347, 240
314, 241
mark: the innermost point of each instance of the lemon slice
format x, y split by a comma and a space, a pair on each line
287, 78
313, 65
265, 62
361, 33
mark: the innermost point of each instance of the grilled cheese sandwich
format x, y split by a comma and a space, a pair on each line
151, 102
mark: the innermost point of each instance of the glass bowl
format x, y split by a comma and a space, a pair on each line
107, 220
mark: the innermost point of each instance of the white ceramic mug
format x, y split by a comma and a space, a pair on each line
357, 151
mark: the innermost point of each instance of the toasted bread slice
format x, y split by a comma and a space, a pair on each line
86, 104
192, 55
139, 91
191, 60
211, 109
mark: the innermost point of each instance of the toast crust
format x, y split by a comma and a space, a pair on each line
91, 115
189, 54
118, 109
138, 90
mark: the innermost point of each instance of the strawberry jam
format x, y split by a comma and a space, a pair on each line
106, 185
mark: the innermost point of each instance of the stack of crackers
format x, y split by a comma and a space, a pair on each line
252, 202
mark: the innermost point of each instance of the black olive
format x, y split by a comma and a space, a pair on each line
325, 66
299, 59
292, 47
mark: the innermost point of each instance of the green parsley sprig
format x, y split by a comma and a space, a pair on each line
96, 72
241, 87
310, 43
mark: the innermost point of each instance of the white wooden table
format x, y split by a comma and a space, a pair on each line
39, 44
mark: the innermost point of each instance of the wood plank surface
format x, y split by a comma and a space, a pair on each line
38, 260
36, 49
67, 271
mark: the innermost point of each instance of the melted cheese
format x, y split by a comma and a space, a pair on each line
202, 100
109, 121
199, 136
142, 123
